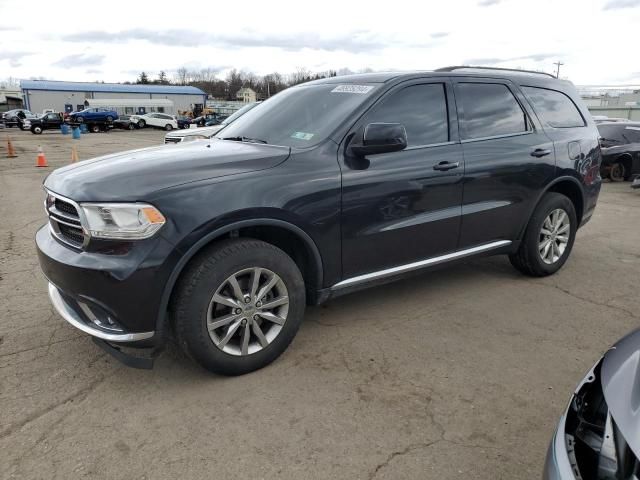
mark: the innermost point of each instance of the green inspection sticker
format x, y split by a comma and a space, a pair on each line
302, 136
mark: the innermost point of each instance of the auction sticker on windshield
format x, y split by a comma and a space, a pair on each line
302, 136
361, 89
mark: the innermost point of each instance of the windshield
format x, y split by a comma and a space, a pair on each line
237, 114
300, 116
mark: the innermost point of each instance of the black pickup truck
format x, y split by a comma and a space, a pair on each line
49, 121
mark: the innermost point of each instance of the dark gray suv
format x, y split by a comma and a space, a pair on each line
325, 188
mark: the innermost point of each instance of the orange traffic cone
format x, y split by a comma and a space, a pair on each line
41, 160
11, 152
74, 154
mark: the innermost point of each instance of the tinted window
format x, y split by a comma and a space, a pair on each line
632, 133
619, 134
555, 108
490, 109
422, 109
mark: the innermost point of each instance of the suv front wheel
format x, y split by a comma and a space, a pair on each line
238, 306
549, 237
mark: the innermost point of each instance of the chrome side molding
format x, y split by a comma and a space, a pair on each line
389, 272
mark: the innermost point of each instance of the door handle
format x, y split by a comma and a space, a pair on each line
540, 152
443, 166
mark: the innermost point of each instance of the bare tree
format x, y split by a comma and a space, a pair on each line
182, 76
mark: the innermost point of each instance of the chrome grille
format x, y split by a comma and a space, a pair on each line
64, 220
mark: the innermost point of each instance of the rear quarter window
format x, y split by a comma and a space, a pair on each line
555, 108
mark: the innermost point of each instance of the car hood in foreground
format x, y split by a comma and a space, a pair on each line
133, 175
620, 376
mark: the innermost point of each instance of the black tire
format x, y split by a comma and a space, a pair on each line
617, 172
141, 123
95, 129
109, 119
131, 126
528, 258
168, 127
22, 127
205, 275
36, 130
79, 119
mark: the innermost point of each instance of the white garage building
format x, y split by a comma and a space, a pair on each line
39, 95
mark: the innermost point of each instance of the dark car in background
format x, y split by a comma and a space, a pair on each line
94, 114
209, 120
49, 121
184, 122
124, 122
17, 117
328, 187
598, 436
620, 143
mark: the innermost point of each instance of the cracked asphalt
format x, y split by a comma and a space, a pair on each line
456, 373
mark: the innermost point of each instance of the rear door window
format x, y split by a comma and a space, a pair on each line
555, 108
422, 109
489, 110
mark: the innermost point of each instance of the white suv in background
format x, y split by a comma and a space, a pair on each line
160, 120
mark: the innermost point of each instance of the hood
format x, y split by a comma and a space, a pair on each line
620, 376
133, 175
207, 131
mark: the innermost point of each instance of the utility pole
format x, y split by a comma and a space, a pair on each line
558, 64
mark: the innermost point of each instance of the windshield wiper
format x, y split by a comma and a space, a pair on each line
245, 139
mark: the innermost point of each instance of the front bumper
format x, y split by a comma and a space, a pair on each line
79, 317
112, 296
557, 465
636, 183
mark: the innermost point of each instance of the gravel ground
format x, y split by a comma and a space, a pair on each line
458, 373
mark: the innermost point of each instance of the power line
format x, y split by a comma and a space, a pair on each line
558, 64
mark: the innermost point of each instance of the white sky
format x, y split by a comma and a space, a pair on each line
114, 41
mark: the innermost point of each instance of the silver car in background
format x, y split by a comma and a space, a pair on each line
201, 133
598, 437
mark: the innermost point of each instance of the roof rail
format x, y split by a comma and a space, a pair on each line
518, 70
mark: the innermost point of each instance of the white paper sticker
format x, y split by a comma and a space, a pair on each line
361, 89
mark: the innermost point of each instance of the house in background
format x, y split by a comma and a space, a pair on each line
246, 94
10, 97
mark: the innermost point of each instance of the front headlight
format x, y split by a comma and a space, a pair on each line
190, 138
122, 221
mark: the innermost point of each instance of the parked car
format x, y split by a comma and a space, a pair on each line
598, 436
17, 117
206, 132
94, 114
124, 122
158, 120
209, 120
184, 122
328, 187
605, 119
620, 143
46, 122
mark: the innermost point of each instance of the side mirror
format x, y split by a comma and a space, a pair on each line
380, 138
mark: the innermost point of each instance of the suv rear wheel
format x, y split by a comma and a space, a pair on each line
549, 237
238, 306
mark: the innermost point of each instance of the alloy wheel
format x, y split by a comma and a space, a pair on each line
554, 236
248, 311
